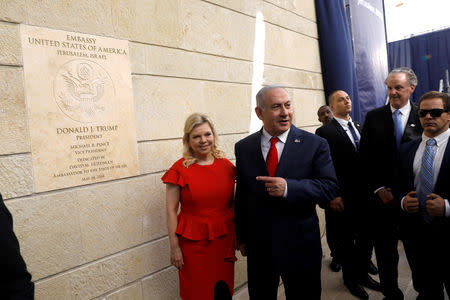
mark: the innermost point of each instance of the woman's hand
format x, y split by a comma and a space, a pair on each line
172, 204
176, 258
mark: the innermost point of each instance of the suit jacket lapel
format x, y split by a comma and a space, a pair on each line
358, 126
443, 177
410, 156
389, 122
408, 164
343, 134
257, 154
410, 128
294, 139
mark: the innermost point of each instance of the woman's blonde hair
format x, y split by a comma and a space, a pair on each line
193, 121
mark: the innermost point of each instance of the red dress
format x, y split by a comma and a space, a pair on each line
205, 226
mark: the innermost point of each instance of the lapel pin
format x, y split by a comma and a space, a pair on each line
297, 141
412, 125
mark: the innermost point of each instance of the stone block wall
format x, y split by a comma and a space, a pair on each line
109, 240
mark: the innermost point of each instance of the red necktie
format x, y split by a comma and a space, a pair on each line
272, 157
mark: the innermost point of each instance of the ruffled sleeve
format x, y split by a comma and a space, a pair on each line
173, 175
230, 168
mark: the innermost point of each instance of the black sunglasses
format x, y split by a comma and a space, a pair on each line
434, 113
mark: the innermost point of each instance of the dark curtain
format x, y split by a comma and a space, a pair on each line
370, 52
428, 55
338, 67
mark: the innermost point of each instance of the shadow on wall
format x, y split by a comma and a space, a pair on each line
258, 69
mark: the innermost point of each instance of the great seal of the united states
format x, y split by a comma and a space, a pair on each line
83, 90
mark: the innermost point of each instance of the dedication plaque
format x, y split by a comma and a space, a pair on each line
80, 107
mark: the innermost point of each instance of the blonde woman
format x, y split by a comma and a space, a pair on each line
202, 238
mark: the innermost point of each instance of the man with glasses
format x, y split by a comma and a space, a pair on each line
424, 193
384, 130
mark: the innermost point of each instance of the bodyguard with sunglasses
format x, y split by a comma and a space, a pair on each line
424, 193
384, 130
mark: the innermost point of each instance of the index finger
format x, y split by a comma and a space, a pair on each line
412, 193
432, 196
264, 178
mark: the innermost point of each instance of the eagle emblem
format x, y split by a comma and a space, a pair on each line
80, 88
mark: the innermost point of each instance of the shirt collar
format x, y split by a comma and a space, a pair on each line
439, 139
282, 137
405, 110
343, 122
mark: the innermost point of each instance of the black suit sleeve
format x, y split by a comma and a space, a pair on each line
374, 161
404, 176
317, 130
241, 203
15, 281
322, 132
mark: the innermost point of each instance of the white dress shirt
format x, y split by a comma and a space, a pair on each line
344, 125
265, 147
404, 114
441, 144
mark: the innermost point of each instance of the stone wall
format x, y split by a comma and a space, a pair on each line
108, 240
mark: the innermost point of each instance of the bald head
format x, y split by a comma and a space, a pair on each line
340, 104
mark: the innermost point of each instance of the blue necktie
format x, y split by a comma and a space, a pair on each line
398, 128
355, 136
426, 178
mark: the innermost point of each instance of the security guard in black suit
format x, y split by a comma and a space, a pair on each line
343, 216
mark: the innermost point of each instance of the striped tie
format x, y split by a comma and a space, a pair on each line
426, 178
355, 136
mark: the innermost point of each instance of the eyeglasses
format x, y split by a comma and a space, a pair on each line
434, 113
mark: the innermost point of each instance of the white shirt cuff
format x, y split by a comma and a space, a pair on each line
285, 192
447, 208
380, 188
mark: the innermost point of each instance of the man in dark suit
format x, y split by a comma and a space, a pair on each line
424, 192
384, 130
282, 174
15, 281
344, 212
324, 114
